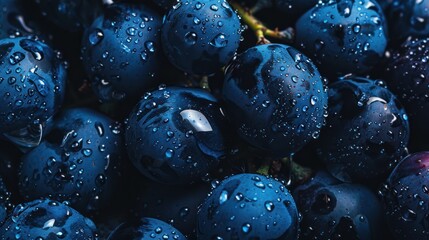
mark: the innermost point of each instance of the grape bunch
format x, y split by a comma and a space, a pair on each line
214, 119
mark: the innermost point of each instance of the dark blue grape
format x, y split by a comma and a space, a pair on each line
335, 210
408, 77
176, 205
275, 98
32, 83
175, 135
408, 18
248, 206
344, 36
201, 36
78, 162
47, 219
146, 229
406, 196
71, 15
367, 130
121, 51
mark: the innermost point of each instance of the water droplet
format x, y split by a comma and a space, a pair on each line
16, 57
260, 185
169, 153
246, 228
150, 46
143, 56
214, 7
313, 100
409, 215
269, 206
356, 28
131, 31
223, 197
100, 129
198, 5
40, 85
366, 46
197, 21
197, 119
33, 47
170, 134
191, 38
48, 224
96, 36
87, 152
219, 41
266, 103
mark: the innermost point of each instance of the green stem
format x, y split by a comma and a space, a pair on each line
261, 31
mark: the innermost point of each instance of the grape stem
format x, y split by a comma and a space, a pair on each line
298, 174
286, 168
261, 31
204, 83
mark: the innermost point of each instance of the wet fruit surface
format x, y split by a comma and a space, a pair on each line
197, 119
78, 162
408, 77
344, 36
175, 135
32, 83
200, 37
275, 97
248, 206
146, 228
376, 127
332, 209
405, 195
47, 219
121, 51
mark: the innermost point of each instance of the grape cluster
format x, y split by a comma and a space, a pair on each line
214, 119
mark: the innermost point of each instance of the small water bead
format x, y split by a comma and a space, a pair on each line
260, 185
356, 28
143, 56
197, 21
131, 31
214, 7
169, 153
96, 36
100, 129
269, 206
87, 152
198, 5
150, 46
313, 100
223, 197
170, 134
219, 41
191, 38
246, 228
16, 58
